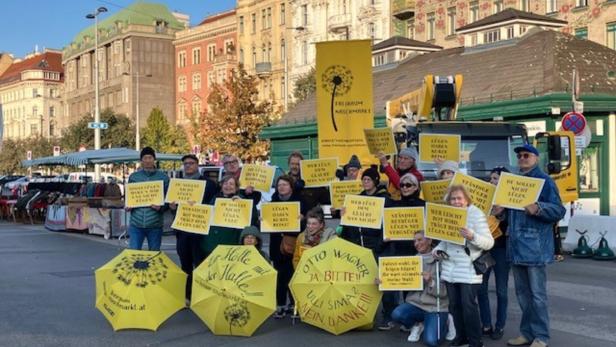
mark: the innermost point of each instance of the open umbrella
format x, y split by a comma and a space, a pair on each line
234, 290
334, 286
139, 289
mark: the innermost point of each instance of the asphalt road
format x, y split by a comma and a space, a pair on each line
47, 299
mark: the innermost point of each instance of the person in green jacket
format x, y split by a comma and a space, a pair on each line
147, 222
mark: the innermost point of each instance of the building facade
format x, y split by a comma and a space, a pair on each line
437, 22
135, 49
204, 55
30, 101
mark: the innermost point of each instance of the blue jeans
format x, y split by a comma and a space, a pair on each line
408, 314
137, 235
530, 288
501, 275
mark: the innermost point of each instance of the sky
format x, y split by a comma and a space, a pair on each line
54, 23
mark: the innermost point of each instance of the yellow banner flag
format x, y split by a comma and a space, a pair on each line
434, 191
444, 222
363, 211
433, 147
344, 98
193, 218
280, 217
319, 172
401, 223
260, 177
144, 194
183, 190
232, 213
339, 190
380, 140
481, 192
400, 273
516, 192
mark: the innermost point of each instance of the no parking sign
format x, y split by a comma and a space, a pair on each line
574, 122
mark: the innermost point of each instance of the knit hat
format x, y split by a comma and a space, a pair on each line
251, 230
409, 177
353, 162
373, 173
147, 151
448, 165
409, 152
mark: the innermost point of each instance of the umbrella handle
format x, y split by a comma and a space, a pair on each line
438, 301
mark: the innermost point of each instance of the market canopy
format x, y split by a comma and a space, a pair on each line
101, 156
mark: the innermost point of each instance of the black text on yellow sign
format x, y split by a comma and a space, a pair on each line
280, 217
232, 213
144, 194
401, 223
400, 273
516, 192
444, 222
363, 211
319, 172
193, 218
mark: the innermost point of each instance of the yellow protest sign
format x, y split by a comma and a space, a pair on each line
145, 194
280, 216
401, 223
183, 190
400, 273
380, 140
439, 146
344, 98
339, 190
434, 191
517, 192
232, 213
481, 192
319, 172
193, 218
443, 222
363, 211
260, 177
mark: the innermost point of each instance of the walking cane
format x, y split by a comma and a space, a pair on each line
438, 300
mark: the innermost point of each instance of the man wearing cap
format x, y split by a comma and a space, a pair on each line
147, 222
188, 245
530, 249
407, 163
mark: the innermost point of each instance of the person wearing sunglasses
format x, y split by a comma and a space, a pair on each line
530, 248
407, 163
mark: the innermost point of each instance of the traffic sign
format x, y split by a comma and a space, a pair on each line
56, 151
574, 121
196, 149
29, 155
100, 125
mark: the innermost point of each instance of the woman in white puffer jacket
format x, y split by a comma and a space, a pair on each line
458, 271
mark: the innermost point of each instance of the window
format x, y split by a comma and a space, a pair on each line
451, 21
283, 14
430, 26
263, 21
510, 32
181, 111
304, 52
379, 60
52, 129
33, 129
182, 59
283, 89
269, 17
196, 81
229, 47
522, 29
196, 107
491, 36
283, 50
304, 15
241, 25
254, 56
254, 23
241, 57
34, 110
611, 35
211, 52
410, 28
210, 78
473, 39
473, 9
263, 53
196, 55
550, 6
525, 5
35, 92
269, 52
581, 3
498, 6
182, 83
52, 111
581, 33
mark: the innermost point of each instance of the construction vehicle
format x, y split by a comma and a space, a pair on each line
485, 144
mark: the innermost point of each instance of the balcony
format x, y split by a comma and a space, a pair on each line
403, 9
227, 58
263, 69
339, 22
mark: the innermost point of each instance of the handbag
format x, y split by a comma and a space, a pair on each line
287, 244
483, 263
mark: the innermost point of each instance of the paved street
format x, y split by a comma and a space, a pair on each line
47, 292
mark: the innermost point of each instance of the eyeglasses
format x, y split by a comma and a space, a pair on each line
523, 155
230, 162
407, 185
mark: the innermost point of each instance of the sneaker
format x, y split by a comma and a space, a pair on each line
386, 326
416, 331
538, 343
451, 329
487, 331
404, 329
280, 313
518, 341
497, 334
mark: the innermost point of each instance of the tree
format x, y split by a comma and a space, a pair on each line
235, 118
11, 155
305, 85
120, 133
162, 136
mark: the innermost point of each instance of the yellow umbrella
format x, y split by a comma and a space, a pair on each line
234, 290
334, 286
139, 289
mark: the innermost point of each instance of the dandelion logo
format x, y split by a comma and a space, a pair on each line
237, 315
337, 80
142, 269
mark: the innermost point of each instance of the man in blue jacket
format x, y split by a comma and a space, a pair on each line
530, 249
147, 222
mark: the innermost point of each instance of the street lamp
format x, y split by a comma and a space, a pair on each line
137, 119
97, 114
286, 68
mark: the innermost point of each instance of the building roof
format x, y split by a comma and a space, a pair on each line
510, 14
403, 41
47, 61
541, 62
217, 16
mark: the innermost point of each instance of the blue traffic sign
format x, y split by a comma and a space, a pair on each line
100, 125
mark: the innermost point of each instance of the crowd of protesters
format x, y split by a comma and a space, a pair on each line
454, 303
